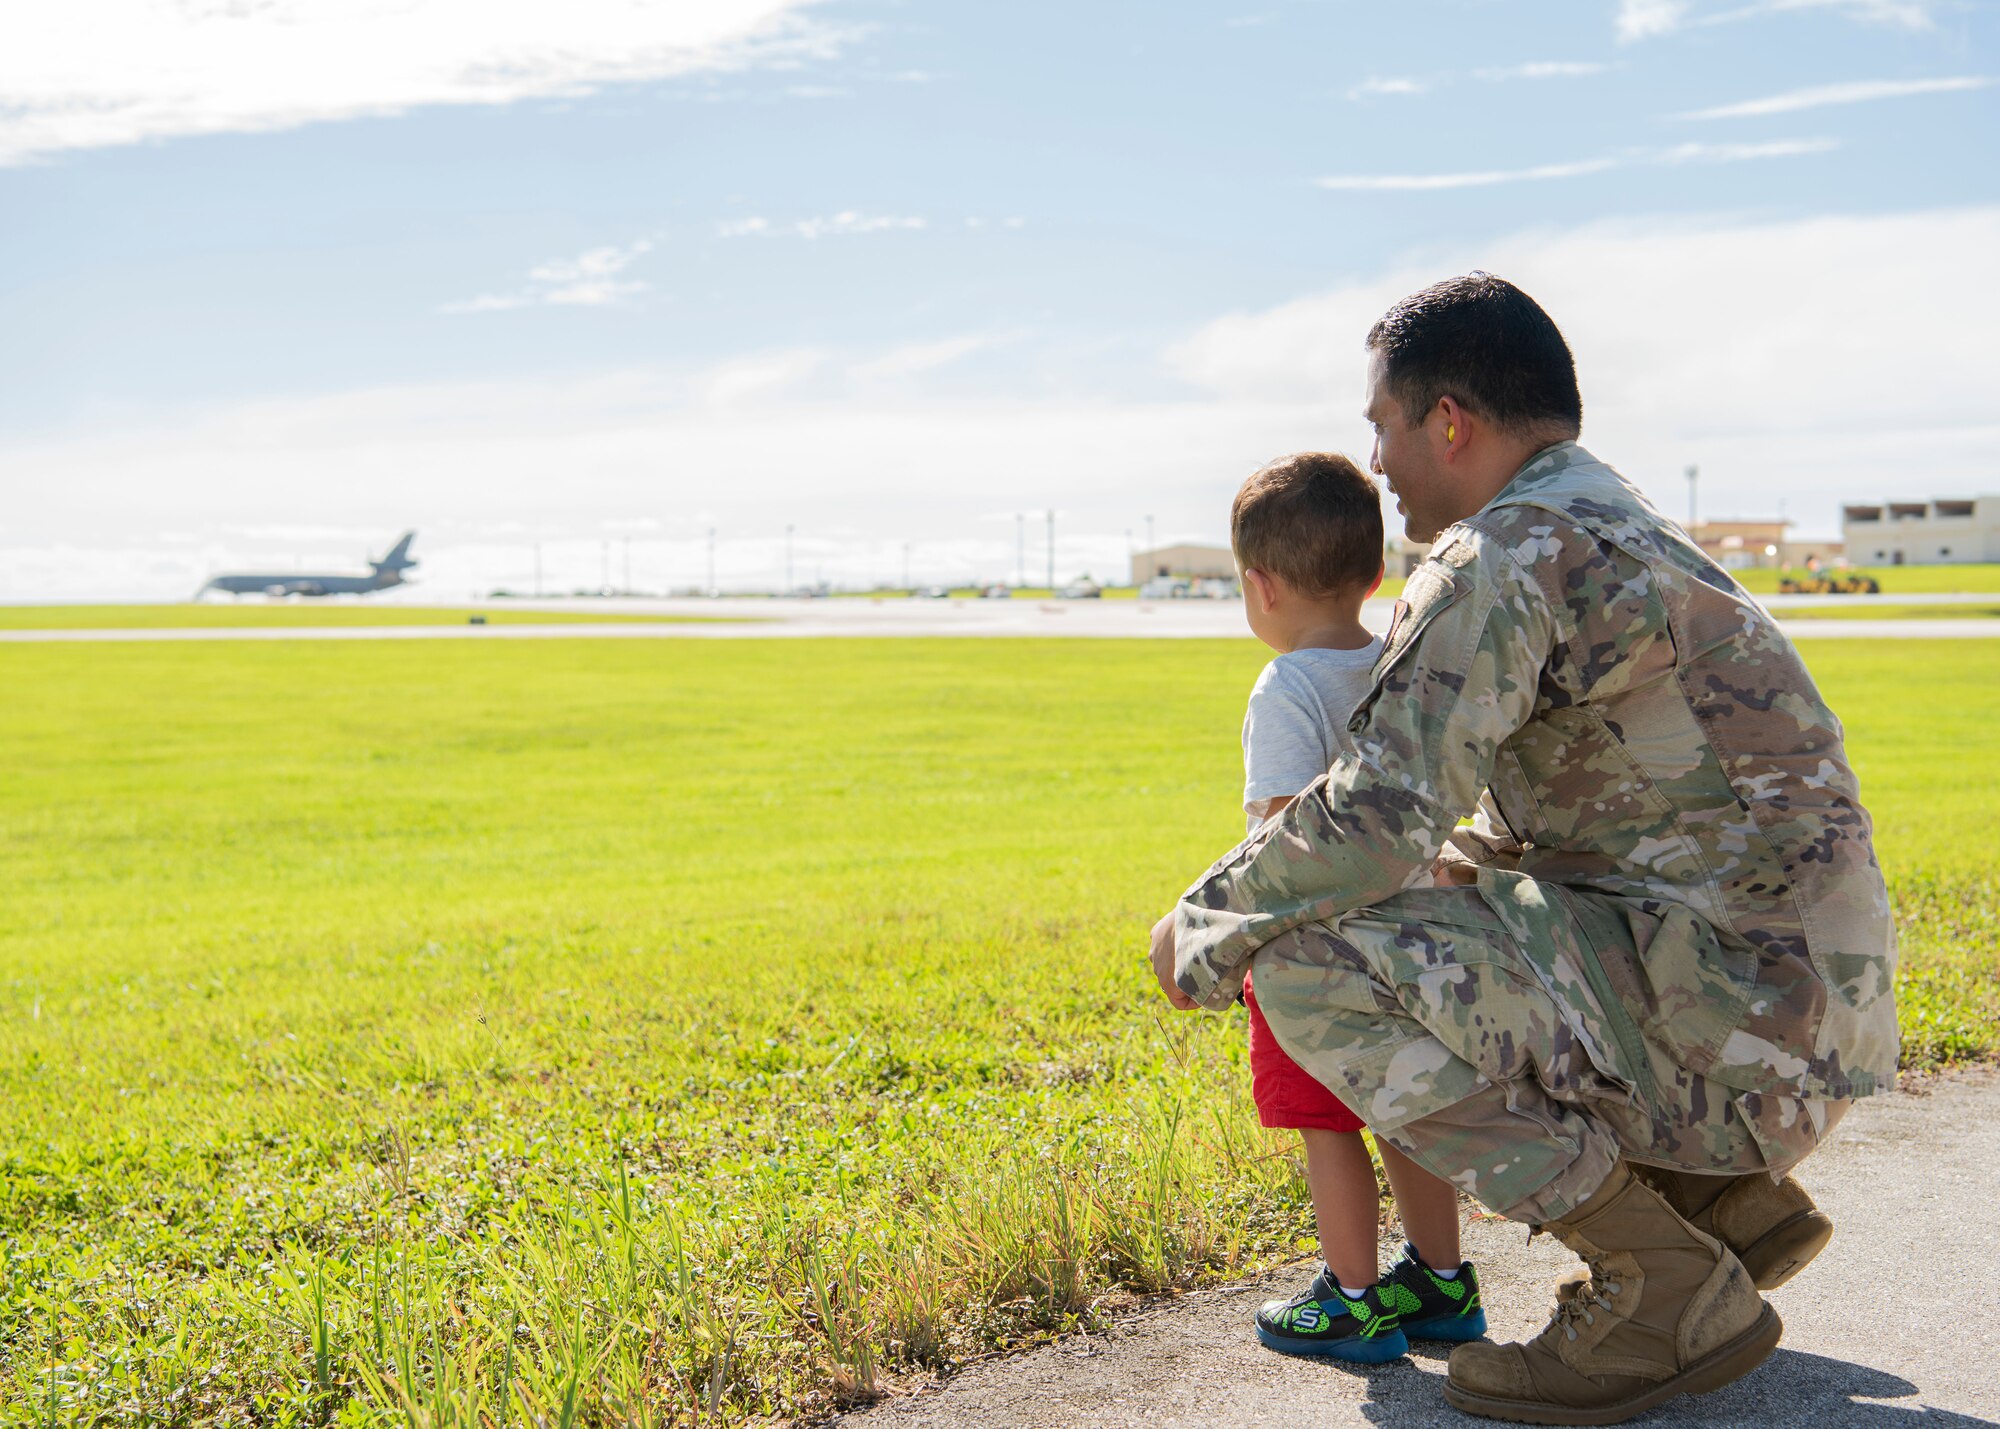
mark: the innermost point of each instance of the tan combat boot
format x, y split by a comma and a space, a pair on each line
1774, 1228
1667, 1310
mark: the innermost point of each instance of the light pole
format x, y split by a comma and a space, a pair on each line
1693, 475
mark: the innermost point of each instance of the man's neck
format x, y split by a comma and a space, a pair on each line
1503, 460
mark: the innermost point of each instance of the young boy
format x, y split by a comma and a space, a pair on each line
1307, 533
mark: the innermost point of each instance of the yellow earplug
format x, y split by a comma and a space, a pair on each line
1450, 433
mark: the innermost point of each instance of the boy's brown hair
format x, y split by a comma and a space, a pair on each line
1312, 520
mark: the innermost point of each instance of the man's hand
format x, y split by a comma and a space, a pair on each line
1454, 873
1163, 965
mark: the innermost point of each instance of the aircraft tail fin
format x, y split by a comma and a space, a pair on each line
398, 558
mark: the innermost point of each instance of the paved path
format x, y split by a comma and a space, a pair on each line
1895, 1323
749, 619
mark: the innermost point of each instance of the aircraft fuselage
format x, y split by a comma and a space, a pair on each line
381, 575
293, 583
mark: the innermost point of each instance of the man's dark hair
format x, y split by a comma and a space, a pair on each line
1313, 520
1484, 342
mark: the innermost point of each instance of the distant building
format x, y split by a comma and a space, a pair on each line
1400, 559
1945, 531
1741, 545
1756, 545
1184, 563
1194, 563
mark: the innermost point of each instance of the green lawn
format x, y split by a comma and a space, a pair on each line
1896, 580
691, 1024
229, 614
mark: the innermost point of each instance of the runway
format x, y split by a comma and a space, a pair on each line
747, 618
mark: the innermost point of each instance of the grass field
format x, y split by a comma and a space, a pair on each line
670, 1032
225, 615
1970, 579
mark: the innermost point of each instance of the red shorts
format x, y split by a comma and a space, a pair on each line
1287, 1096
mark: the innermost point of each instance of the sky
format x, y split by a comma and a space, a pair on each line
883, 282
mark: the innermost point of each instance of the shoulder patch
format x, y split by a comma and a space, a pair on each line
1457, 555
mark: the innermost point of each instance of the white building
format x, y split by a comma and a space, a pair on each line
1185, 563
1948, 530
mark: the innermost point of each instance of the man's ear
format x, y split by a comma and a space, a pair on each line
1452, 428
1261, 583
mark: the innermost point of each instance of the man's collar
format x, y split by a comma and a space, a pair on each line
1550, 461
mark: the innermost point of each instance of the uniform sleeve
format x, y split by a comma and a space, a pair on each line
1284, 738
1458, 676
1486, 841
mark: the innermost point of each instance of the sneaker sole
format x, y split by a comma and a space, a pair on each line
1724, 1365
1380, 1350
1455, 1328
1786, 1249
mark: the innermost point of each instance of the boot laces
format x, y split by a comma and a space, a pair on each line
1580, 1302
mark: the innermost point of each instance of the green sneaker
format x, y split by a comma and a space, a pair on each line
1429, 1307
1323, 1321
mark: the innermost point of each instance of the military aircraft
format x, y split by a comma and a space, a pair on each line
384, 573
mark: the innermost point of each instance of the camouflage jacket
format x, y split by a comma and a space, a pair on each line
1625, 724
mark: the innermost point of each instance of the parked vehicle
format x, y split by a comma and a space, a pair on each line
1829, 585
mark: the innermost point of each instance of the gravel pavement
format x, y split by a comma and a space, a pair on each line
1895, 1324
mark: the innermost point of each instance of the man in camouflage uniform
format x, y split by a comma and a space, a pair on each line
1663, 941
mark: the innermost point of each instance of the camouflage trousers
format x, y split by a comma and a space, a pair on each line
1493, 1042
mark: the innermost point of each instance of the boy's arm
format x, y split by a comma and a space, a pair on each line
1262, 809
1460, 679
1278, 728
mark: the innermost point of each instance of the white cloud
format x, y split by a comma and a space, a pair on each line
1646, 19
1711, 344
1649, 19
1858, 92
589, 280
847, 221
1486, 178
916, 358
852, 222
86, 74
1910, 14
1375, 88
1544, 69
1738, 153
1807, 362
761, 375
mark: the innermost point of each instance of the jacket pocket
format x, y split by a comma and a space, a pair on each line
1687, 986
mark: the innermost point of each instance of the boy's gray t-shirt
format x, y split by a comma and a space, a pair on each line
1297, 719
